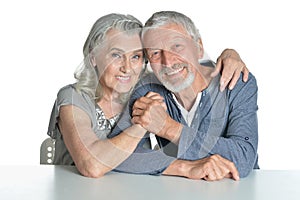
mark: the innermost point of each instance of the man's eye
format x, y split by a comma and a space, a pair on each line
155, 53
178, 47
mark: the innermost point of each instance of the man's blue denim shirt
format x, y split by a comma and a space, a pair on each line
225, 123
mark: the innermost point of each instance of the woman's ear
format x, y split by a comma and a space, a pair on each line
93, 60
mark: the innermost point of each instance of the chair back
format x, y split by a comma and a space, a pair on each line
47, 151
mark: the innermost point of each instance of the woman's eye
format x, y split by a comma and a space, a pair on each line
116, 55
136, 57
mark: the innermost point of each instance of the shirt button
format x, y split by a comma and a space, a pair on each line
246, 138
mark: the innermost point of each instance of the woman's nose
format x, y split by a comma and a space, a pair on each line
126, 66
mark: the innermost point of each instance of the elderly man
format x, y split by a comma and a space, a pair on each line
201, 132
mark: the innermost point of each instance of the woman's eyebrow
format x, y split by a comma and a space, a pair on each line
123, 51
116, 49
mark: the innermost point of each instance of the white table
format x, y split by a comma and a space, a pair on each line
60, 182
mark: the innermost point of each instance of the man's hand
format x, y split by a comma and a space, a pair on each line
230, 65
211, 168
150, 112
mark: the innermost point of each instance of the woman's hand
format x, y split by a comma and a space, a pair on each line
230, 65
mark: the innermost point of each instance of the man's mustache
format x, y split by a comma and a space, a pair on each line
173, 67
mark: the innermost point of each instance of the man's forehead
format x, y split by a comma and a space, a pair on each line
155, 37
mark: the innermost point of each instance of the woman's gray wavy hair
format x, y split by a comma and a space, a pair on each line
87, 75
166, 17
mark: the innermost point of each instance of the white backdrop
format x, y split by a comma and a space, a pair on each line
41, 45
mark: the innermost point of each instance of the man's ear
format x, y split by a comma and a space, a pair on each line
201, 49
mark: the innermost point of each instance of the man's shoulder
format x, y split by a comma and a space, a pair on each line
244, 89
250, 83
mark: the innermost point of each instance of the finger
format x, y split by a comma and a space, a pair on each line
134, 120
212, 175
163, 104
217, 169
153, 95
234, 80
223, 170
229, 175
142, 103
150, 94
157, 97
245, 74
137, 120
137, 112
235, 174
145, 99
226, 167
217, 174
139, 105
225, 78
233, 170
218, 68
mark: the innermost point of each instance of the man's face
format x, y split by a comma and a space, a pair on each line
173, 55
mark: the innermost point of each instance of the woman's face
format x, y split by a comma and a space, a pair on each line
119, 60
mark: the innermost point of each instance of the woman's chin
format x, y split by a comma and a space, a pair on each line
123, 89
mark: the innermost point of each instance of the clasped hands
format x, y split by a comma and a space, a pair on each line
150, 113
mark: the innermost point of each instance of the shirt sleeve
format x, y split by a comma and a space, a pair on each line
68, 96
239, 140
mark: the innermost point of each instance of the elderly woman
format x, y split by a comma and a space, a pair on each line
86, 111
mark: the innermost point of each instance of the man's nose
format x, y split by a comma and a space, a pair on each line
168, 58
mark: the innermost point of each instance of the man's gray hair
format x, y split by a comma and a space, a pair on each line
168, 17
86, 74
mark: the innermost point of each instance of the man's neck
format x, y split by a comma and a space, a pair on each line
187, 96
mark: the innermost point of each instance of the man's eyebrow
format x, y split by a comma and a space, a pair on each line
137, 50
152, 49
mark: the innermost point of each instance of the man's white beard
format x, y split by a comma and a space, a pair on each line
175, 88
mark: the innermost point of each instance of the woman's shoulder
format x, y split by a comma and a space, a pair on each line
68, 93
67, 89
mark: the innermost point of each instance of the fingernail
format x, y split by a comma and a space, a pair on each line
221, 89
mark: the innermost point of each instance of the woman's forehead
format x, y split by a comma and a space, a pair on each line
125, 40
